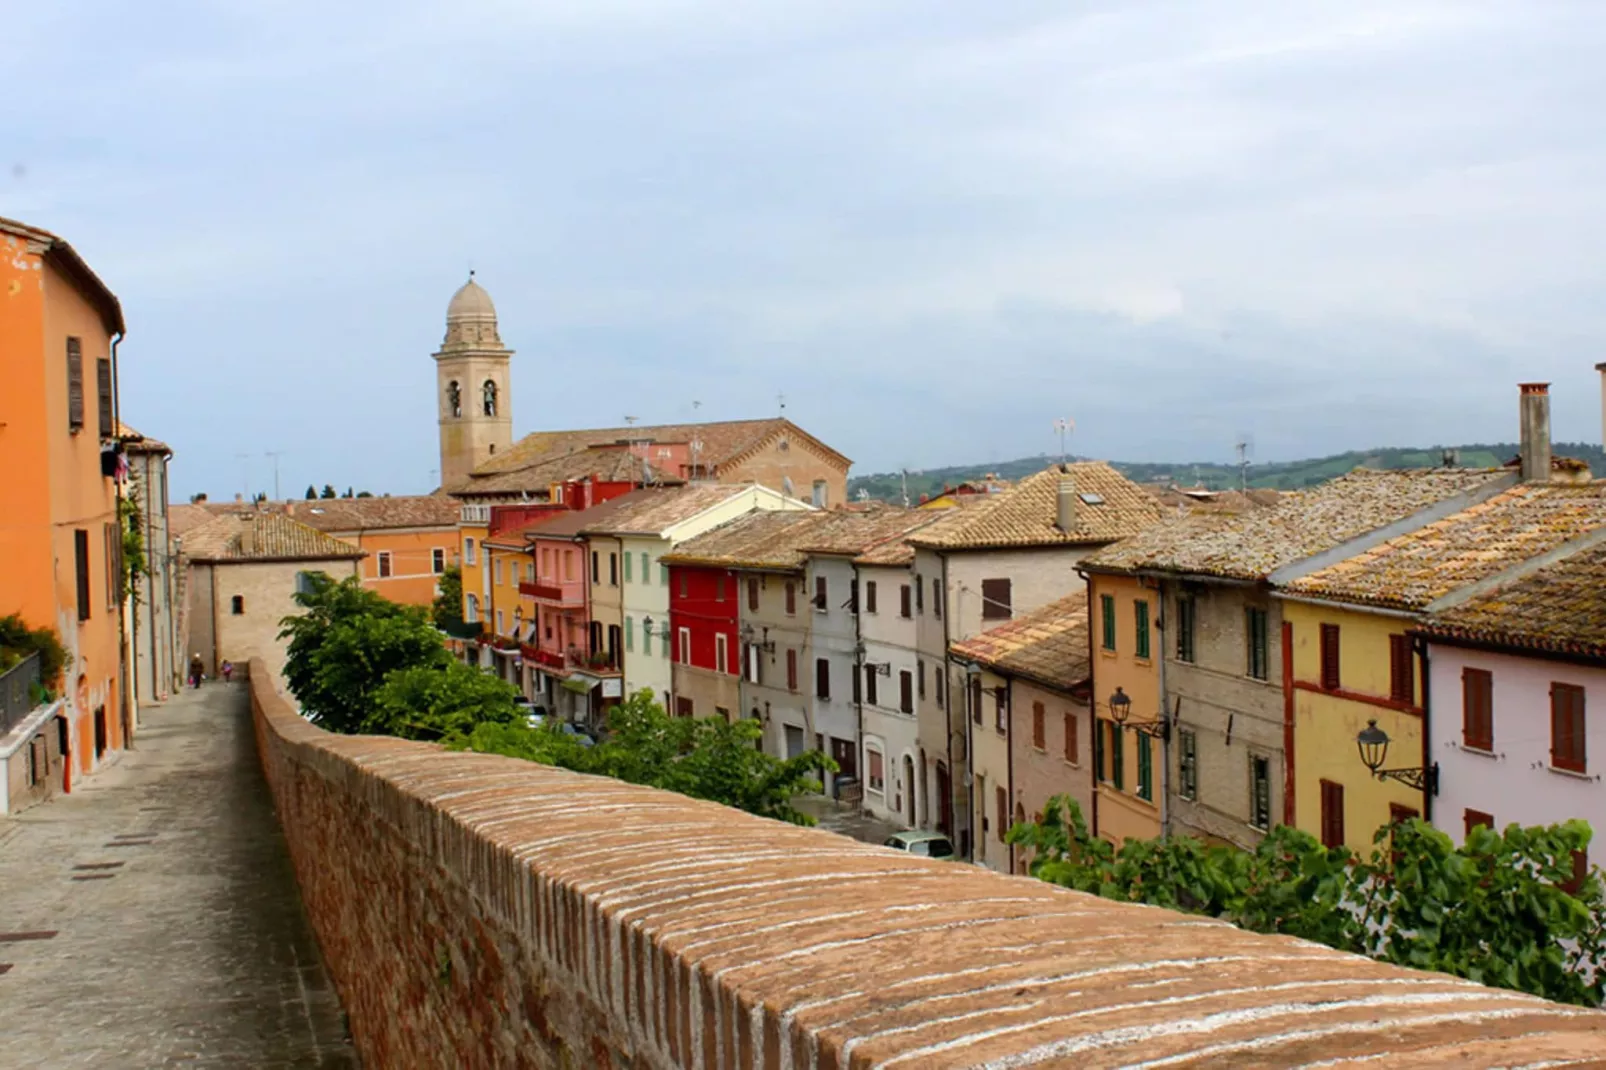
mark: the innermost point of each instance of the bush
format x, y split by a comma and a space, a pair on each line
17, 641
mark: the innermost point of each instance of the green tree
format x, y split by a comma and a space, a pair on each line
345, 644
17, 641
312, 492
440, 701
447, 609
328, 491
364, 494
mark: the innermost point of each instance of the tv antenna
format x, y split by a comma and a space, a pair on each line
1064, 426
696, 453
630, 421
1245, 448
781, 399
245, 474
274, 455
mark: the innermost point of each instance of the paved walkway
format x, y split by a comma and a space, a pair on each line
151, 917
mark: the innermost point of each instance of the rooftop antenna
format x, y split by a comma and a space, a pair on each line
630, 421
1245, 447
245, 475
781, 398
1064, 426
274, 454
696, 452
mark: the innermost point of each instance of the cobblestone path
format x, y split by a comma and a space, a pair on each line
151, 917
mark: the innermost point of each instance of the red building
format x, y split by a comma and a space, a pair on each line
703, 607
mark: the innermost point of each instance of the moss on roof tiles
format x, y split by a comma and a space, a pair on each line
1048, 645
1560, 608
1109, 507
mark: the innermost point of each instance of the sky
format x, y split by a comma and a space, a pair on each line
934, 228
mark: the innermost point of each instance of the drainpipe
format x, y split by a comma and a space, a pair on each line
1009, 760
1092, 706
1421, 645
1166, 727
947, 711
125, 649
858, 666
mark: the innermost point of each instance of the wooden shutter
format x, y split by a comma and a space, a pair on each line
1070, 737
1477, 709
975, 699
822, 676
1140, 616
819, 593
1001, 812
920, 594
1039, 726
904, 602
869, 685
1332, 814
791, 600
1471, 819
906, 691
1567, 749
75, 385
80, 549
1402, 675
791, 670
1107, 613
1329, 650
103, 396
869, 596
752, 593
995, 600
920, 675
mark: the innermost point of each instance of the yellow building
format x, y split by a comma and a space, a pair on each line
1129, 759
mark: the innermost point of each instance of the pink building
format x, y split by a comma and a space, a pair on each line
1517, 694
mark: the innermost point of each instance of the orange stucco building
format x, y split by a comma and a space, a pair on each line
410, 541
59, 535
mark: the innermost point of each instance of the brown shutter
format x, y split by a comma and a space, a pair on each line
1567, 728
1402, 678
869, 685
75, 385
906, 691
791, 599
1070, 737
103, 388
869, 596
819, 593
995, 600
1039, 727
1477, 709
791, 670
822, 677
1332, 814
80, 548
1471, 819
752, 593
903, 601
1329, 649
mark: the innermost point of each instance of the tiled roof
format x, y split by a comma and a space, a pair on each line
613, 464
865, 532
1024, 515
135, 442
369, 514
1252, 545
777, 540
183, 518
1195, 499
250, 536
654, 510
1412, 570
1560, 608
1048, 645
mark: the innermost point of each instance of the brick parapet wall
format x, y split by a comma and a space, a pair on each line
485, 911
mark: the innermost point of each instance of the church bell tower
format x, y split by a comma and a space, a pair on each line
471, 380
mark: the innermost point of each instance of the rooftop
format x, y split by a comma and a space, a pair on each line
1412, 570
654, 510
253, 536
135, 442
183, 517
610, 464
372, 514
777, 540
1252, 545
1558, 609
1109, 507
1048, 645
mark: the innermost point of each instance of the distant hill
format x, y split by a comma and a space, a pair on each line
1284, 475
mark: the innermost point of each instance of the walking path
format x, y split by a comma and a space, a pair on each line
151, 917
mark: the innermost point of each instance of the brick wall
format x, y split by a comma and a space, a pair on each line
479, 911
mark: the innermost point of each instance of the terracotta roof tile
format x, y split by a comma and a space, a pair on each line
779, 540
1048, 645
1024, 514
653, 510
1414, 569
1560, 608
184, 517
371, 514
249, 536
1253, 544
135, 442
613, 464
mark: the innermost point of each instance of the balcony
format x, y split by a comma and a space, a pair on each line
462, 629
18, 687
573, 659
554, 594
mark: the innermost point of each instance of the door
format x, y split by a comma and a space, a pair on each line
909, 789
794, 741
846, 757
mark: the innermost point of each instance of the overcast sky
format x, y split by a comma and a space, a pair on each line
934, 226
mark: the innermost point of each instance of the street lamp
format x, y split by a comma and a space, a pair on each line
1373, 744
646, 626
767, 645
1121, 708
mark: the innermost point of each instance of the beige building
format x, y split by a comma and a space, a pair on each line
244, 571
155, 637
472, 377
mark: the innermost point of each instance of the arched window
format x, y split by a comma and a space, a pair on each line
489, 391
454, 398
471, 609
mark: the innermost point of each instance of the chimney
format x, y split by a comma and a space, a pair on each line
1065, 514
1602, 369
1535, 444
248, 538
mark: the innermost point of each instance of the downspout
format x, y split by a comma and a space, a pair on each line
150, 580
1421, 644
124, 646
1166, 726
1092, 706
1009, 762
1288, 721
490, 604
947, 708
858, 667
211, 576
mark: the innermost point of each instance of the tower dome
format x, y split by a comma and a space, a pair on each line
471, 318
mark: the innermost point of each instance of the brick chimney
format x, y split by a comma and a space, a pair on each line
1535, 444
1602, 369
1065, 513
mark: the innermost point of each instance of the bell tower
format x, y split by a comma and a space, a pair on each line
471, 386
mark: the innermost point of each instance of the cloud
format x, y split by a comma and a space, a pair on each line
934, 228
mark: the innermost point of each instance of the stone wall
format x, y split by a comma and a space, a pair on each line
479, 911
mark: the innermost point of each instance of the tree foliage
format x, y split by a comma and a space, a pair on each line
1503, 909
18, 640
439, 702
328, 491
447, 609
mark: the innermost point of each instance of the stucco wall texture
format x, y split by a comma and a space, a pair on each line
480, 911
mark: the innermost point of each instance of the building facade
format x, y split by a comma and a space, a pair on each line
410, 541
156, 638
1131, 731
890, 726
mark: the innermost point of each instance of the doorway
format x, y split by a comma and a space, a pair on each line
909, 787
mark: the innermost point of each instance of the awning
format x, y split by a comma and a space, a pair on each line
580, 685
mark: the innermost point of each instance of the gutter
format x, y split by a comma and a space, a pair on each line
1356, 607
1092, 708
1009, 752
1421, 645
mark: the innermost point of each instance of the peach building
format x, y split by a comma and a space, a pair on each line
409, 540
62, 458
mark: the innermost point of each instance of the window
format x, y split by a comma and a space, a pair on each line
819, 496
471, 605
384, 564
1000, 813
1117, 755
546, 562
1332, 814
905, 603
613, 570
975, 699
1098, 750
103, 392
822, 678
501, 622
683, 585
920, 594
995, 601
663, 576
437, 560
937, 679
752, 593
721, 653
920, 676
1477, 709
630, 632
1001, 709
596, 571
469, 557
1071, 742
1039, 726
820, 603
628, 577
1329, 652
755, 664
1260, 794
112, 552
1187, 764
1402, 676
237, 605
1107, 620
1140, 610
496, 568
80, 553
75, 386
870, 696
853, 596
1259, 659
906, 691
1471, 819
719, 589
1400, 814
791, 670
791, 598
1145, 767
646, 570
685, 646
1567, 728
936, 600
869, 596
877, 772
1185, 625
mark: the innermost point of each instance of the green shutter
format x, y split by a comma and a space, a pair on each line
1098, 749
1142, 609
630, 626
1117, 756
1107, 604
1145, 767
627, 568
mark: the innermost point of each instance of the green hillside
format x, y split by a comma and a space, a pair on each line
1283, 475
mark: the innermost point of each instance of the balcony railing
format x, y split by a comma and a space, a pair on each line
464, 629
573, 659
17, 685
558, 595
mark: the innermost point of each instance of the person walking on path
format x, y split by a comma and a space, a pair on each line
227, 669
197, 670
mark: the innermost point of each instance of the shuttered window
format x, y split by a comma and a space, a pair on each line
1402, 676
1567, 728
791, 670
1098, 750
822, 678
80, 552
869, 596
1477, 709
1071, 742
752, 593
1259, 645
1039, 726
906, 691
1471, 819
75, 385
1260, 792
1000, 813
1187, 764
995, 600
975, 699
1185, 618
1145, 766
920, 677
1117, 755
103, 396
820, 602
870, 696
904, 602
1107, 615
1332, 814
1141, 617
1329, 652
791, 598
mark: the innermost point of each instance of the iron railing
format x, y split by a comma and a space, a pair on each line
17, 686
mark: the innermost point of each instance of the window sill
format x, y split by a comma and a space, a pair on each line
1573, 773
1478, 751
1146, 662
1106, 653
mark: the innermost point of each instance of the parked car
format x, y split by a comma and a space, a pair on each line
926, 844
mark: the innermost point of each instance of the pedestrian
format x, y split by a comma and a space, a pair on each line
197, 669
227, 669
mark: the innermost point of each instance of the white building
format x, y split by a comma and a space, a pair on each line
896, 678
